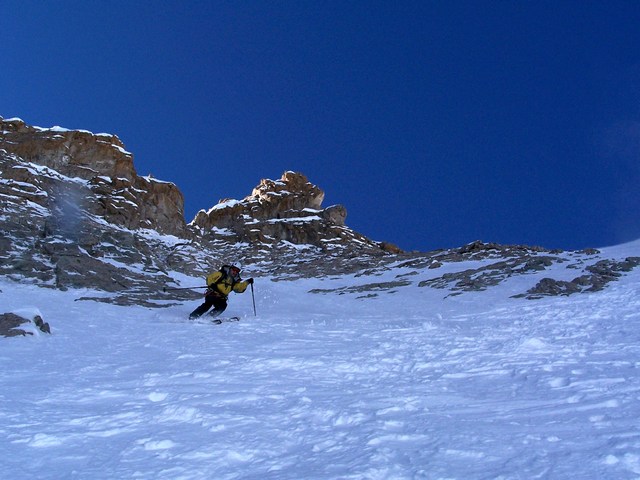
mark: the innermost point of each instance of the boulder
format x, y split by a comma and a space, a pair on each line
10, 323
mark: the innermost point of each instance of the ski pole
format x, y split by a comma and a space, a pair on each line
254, 301
165, 289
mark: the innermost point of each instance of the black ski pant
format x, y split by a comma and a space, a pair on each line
218, 302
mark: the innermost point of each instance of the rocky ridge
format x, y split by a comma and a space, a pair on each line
288, 210
101, 177
75, 214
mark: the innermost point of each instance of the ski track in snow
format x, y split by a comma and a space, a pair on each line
405, 385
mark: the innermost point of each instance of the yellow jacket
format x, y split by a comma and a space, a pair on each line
226, 285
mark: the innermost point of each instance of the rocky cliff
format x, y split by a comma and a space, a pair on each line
286, 210
102, 178
75, 214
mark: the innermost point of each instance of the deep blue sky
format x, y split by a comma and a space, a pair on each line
434, 123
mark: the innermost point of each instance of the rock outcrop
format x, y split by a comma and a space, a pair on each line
12, 325
594, 279
285, 210
77, 170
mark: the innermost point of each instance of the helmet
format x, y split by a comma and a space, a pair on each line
234, 272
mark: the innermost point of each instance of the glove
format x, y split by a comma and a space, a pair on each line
250, 281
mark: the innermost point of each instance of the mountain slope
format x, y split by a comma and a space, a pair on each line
406, 384
480, 361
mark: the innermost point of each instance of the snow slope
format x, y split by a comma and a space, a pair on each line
324, 386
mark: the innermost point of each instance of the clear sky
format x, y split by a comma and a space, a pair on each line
434, 123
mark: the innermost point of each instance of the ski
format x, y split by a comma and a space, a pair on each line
218, 321
207, 319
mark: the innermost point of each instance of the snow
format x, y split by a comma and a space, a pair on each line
151, 179
41, 170
404, 385
59, 129
123, 151
222, 231
224, 204
295, 219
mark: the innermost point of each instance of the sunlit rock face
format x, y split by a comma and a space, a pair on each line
288, 209
79, 169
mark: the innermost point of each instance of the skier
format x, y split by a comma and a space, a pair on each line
220, 284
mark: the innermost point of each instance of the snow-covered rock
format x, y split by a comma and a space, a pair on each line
92, 173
